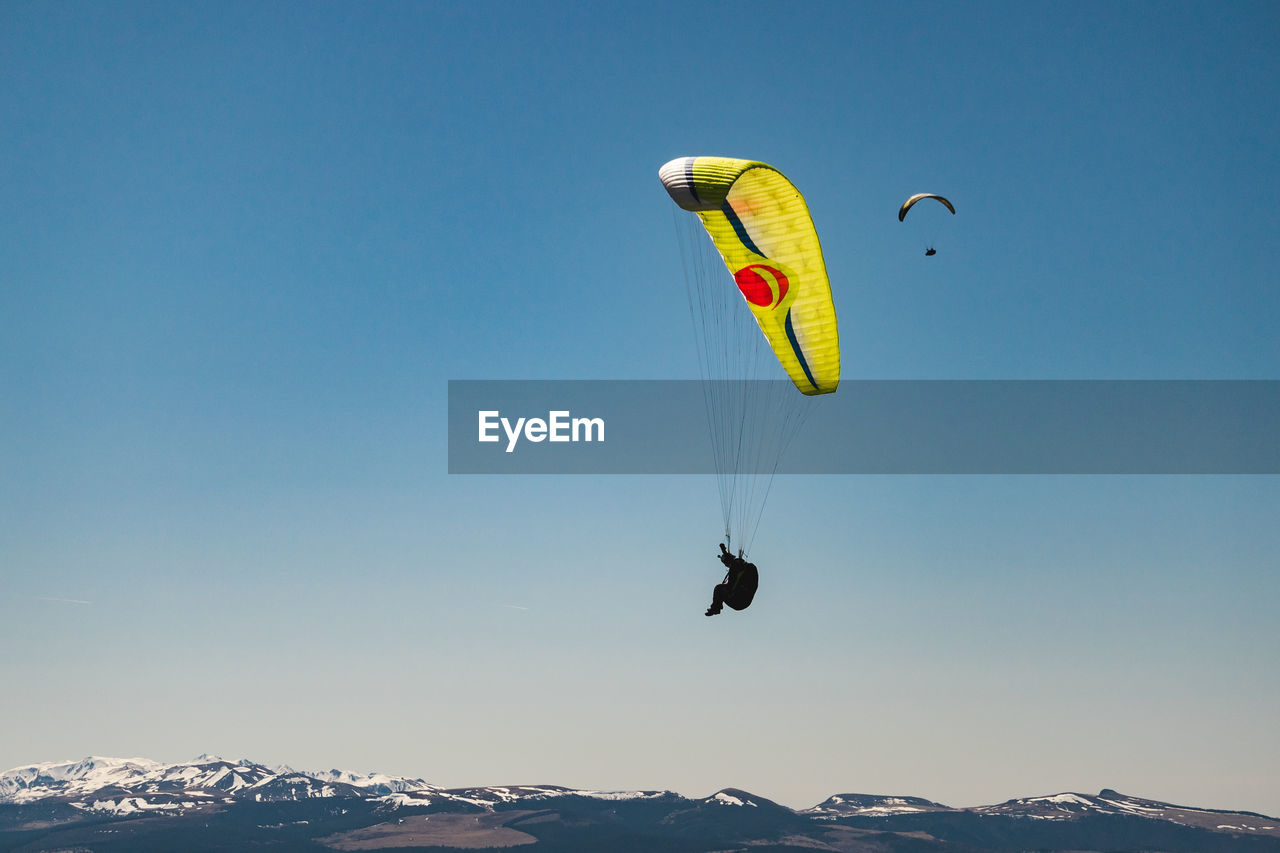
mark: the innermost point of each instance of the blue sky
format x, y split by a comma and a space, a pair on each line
243, 248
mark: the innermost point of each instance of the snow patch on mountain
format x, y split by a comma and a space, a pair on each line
730, 800
377, 783
132, 805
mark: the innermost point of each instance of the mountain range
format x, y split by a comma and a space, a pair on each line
212, 804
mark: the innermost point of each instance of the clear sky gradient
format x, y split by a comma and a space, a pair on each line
244, 246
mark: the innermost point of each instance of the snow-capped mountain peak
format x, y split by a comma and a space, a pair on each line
872, 805
97, 779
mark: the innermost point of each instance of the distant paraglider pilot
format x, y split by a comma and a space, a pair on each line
739, 584
911, 202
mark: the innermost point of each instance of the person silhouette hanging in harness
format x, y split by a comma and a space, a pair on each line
739, 584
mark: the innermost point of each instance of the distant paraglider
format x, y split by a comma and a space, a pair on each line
911, 202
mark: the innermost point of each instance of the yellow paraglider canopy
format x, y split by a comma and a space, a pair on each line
761, 226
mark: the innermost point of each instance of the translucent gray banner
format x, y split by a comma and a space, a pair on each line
867, 427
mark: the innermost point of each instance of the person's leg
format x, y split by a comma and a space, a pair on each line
717, 598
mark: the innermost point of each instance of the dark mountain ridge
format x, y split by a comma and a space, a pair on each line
109, 804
